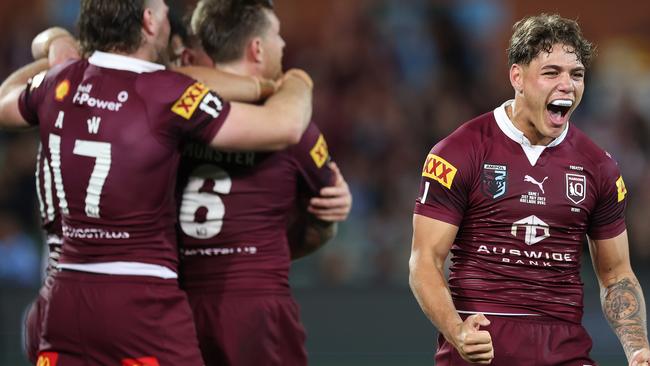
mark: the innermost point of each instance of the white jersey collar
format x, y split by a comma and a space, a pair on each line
125, 63
532, 151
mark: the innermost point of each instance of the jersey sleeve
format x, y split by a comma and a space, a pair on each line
200, 112
31, 97
608, 217
311, 156
446, 181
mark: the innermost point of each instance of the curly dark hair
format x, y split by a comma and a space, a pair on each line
225, 26
535, 34
110, 25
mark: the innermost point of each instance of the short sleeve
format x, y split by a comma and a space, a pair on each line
311, 156
30, 98
608, 218
200, 112
446, 182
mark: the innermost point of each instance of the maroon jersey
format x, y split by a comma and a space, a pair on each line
48, 205
111, 127
234, 210
522, 213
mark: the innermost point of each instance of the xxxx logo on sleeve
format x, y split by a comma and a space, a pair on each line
190, 100
620, 188
439, 170
319, 152
47, 359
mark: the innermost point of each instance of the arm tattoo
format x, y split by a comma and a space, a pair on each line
624, 308
316, 234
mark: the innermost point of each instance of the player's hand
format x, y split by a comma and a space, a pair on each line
266, 88
297, 74
641, 358
63, 49
474, 345
335, 202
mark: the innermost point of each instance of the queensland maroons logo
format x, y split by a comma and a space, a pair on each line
576, 187
494, 182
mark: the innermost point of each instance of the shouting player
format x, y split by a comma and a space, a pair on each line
512, 194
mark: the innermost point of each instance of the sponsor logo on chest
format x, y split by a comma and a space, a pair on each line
83, 97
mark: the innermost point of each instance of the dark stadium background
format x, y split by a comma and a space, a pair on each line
392, 78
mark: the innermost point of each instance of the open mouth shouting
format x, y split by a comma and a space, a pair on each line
558, 111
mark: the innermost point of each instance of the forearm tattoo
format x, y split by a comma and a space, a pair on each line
624, 308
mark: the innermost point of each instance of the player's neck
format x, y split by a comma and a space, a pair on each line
142, 53
237, 68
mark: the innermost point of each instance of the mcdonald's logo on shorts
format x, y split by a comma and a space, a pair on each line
47, 359
142, 361
439, 170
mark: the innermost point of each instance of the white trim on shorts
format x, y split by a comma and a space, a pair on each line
122, 268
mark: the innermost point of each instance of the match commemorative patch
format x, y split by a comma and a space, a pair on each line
319, 152
47, 359
620, 189
190, 100
439, 170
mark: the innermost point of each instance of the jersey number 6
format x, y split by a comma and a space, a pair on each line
202, 191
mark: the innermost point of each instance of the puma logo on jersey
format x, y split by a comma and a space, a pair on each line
439, 170
530, 179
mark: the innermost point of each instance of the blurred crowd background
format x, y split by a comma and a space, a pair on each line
392, 78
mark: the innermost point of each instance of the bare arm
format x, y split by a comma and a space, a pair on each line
277, 124
236, 88
432, 241
621, 296
309, 234
10, 90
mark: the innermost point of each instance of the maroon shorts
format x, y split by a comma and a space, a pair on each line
34, 319
242, 330
96, 319
528, 341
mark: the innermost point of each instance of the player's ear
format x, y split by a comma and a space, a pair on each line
516, 78
255, 50
148, 22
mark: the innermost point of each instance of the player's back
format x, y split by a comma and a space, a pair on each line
234, 211
111, 128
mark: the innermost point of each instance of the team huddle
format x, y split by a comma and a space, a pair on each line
171, 213
179, 174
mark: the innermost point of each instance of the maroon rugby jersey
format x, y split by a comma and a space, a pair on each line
111, 127
48, 205
234, 210
522, 216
